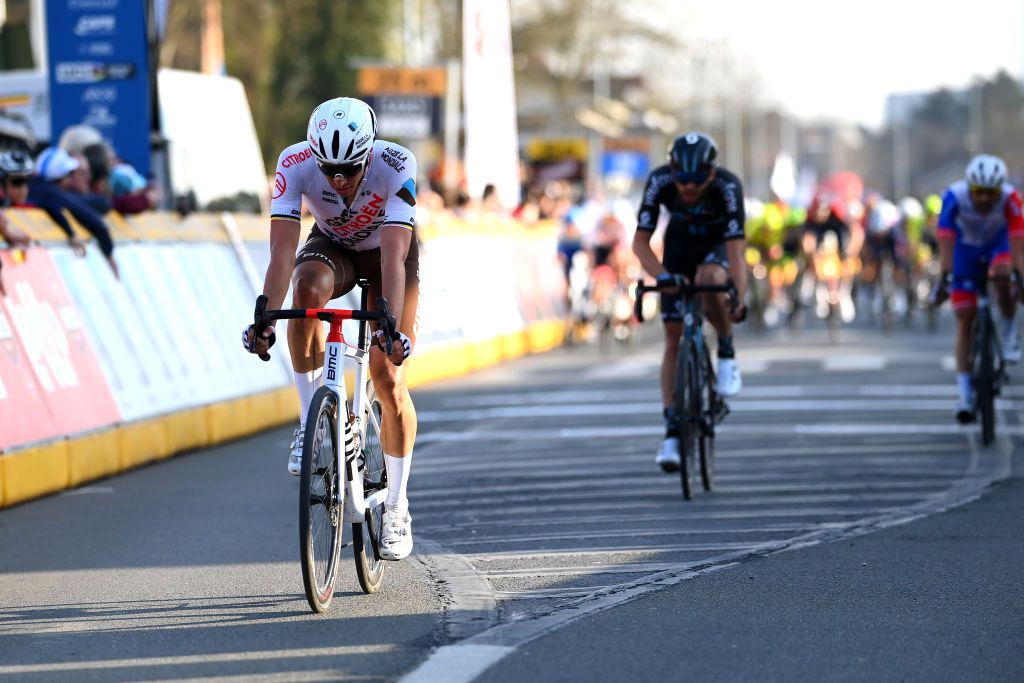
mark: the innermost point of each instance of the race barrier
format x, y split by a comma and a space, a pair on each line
100, 374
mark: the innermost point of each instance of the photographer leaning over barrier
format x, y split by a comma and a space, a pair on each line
47, 191
14, 169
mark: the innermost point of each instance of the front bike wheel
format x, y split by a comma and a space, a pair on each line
320, 501
366, 536
707, 424
688, 410
985, 379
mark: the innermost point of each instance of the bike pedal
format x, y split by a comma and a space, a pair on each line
721, 411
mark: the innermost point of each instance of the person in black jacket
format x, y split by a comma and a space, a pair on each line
47, 191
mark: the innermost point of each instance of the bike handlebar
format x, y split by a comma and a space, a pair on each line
683, 285
262, 318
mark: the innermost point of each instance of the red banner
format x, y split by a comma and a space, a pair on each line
52, 383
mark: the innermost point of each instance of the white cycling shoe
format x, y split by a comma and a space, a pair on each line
396, 536
295, 455
964, 411
1011, 349
668, 455
728, 382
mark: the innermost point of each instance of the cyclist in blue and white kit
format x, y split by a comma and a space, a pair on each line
980, 217
362, 193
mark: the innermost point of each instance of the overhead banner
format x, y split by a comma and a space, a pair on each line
492, 139
99, 73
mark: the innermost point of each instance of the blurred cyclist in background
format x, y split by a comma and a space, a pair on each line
827, 215
980, 214
704, 242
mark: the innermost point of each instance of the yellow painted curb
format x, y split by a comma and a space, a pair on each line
34, 472
545, 336
483, 354
438, 363
226, 421
93, 456
142, 442
186, 430
514, 345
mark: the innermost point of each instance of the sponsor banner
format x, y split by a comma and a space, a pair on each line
122, 321
217, 275
24, 416
165, 336
56, 349
99, 72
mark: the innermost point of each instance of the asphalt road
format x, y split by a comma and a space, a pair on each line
855, 533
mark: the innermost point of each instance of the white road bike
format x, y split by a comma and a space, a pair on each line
332, 491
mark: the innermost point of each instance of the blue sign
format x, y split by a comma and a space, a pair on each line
624, 162
99, 72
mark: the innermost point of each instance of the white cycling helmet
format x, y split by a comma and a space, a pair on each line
986, 171
342, 131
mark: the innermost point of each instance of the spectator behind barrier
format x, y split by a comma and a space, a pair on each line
86, 143
131, 192
48, 190
79, 182
14, 169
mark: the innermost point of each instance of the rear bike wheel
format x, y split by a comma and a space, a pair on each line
320, 501
366, 536
688, 410
984, 378
707, 424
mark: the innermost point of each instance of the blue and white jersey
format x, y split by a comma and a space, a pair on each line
386, 195
961, 221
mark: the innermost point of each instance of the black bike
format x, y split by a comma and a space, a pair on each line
698, 406
988, 370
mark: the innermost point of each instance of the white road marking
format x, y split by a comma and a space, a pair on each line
739, 405
564, 485
773, 429
181, 660
456, 663
845, 363
648, 395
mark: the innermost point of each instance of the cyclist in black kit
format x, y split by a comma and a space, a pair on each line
704, 241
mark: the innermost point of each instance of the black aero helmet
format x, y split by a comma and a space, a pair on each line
691, 157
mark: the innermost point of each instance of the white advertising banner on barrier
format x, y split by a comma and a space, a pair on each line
114, 328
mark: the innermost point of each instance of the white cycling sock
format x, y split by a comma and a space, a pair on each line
963, 382
398, 478
1009, 327
307, 384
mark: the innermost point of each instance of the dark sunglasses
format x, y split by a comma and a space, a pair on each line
343, 170
694, 178
17, 181
987, 191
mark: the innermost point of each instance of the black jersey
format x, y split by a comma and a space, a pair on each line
716, 217
694, 230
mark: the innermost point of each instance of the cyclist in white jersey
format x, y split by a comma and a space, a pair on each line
362, 193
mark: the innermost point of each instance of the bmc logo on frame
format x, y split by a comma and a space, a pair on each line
332, 363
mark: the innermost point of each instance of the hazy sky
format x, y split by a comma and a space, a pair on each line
816, 58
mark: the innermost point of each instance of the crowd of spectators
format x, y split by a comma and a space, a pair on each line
81, 176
